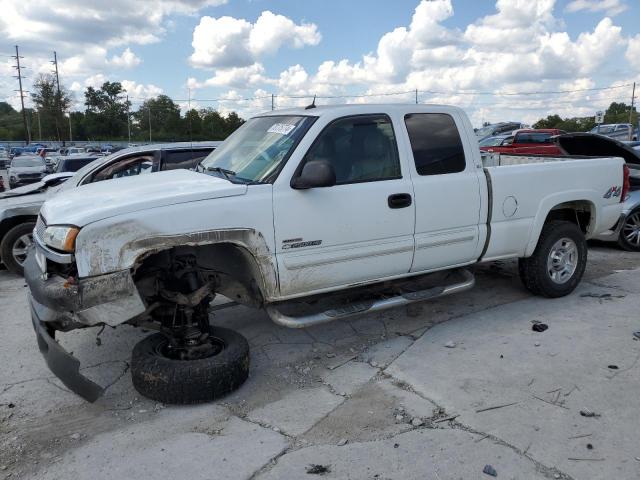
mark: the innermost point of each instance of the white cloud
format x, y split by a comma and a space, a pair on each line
140, 91
228, 42
127, 59
633, 52
236, 77
610, 7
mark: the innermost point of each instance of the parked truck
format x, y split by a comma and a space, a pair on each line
313, 215
529, 142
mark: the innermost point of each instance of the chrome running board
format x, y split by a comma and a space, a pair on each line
358, 308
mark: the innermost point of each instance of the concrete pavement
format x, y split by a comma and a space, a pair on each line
371, 397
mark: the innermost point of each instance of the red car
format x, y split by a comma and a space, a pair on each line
530, 142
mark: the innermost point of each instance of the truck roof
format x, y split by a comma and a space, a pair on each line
355, 109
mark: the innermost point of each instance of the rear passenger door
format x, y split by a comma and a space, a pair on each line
446, 190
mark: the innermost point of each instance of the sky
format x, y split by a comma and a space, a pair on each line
499, 60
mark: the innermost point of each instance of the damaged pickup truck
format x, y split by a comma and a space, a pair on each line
313, 215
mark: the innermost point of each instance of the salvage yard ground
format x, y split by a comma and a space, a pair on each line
437, 391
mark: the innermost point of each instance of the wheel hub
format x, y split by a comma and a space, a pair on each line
631, 229
204, 346
562, 261
21, 248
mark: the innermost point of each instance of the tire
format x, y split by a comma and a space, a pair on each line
558, 275
629, 238
18, 239
181, 382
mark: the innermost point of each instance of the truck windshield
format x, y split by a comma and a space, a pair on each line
257, 149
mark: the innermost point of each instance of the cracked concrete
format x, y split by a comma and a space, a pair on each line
344, 395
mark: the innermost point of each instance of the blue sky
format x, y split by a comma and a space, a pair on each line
236, 49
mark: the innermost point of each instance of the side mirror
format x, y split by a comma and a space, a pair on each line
315, 174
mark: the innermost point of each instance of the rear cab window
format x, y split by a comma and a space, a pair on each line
435, 142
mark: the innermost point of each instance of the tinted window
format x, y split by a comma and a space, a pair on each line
533, 138
73, 164
361, 149
186, 159
436, 144
127, 167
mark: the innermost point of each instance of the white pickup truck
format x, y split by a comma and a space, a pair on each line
312, 214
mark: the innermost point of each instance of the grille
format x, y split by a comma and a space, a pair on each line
29, 176
40, 228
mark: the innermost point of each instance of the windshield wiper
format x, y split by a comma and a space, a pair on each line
227, 173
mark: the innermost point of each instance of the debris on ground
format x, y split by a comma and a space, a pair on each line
612, 367
342, 442
314, 469
450, 344
496, 407
489, 470
636, 335
589, 446
417, 422
606, 296
588, 413
539, 327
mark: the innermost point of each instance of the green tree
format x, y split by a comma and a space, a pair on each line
164, 116
106, 111
213, 125
49, 107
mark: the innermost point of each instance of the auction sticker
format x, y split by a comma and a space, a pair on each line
281, 128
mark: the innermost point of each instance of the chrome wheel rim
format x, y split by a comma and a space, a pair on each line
631, 230
21, 247
562, 261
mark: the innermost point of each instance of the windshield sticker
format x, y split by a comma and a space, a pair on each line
281, 128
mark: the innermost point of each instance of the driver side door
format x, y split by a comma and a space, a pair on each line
354, 231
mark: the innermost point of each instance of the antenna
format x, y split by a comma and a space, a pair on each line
313, 104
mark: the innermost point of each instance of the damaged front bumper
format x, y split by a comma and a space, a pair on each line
58, 305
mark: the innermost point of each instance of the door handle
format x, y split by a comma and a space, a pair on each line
399, 200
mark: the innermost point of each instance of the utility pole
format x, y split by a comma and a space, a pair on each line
39, 126
416, 96
273, 102
24, 113
70, 136
149, 110
633, 99
128, 120
59, 97
189, 113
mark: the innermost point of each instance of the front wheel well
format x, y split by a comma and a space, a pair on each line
8, 223
231, 270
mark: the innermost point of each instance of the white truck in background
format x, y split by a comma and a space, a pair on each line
314, 215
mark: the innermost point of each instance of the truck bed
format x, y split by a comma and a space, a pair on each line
502, 159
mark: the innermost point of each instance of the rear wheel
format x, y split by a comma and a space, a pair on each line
15, 246
558, 262
630, 233
218, 365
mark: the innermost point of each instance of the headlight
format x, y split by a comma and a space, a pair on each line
61, 238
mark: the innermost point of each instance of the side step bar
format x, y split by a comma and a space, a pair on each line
358, 308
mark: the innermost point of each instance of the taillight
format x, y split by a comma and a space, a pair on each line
626, 186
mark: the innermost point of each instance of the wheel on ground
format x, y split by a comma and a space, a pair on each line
15, 246
629, 238
558, 262
159, 374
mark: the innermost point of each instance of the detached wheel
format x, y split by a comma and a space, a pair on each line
630, 233
558, 262
219, 369
15, 246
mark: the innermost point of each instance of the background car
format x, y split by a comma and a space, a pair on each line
19, 210
73, 163
26, 169
502, 128
619, 131
627, 231
497, 141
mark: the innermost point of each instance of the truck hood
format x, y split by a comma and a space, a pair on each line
90, 203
